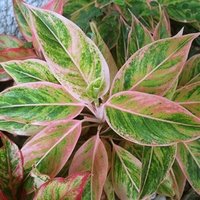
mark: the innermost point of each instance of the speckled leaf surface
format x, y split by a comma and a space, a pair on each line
189, 97
189, 160
70, 188
126, 171
92, 157
108, 188
34, 103
104, 50
139, 117
146, 70
182, 10
55, 142
191, 71
11, 167
19, 128
138, 37
156, 160
81, 12
74, 58
31, 70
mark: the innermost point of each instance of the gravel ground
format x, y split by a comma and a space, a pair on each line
8, 25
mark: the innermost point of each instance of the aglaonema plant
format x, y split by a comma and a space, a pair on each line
96, 132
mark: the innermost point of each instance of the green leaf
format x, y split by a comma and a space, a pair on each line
146, 70
29, 71
163, 29
108, 188
126, 170
92, 157
69, 188
7, 41
110, 25
104, 50
81, 12
34, 103
189, 97
139, 117
191, 71
73, 58
138, 37
189, 160
166, 188
19, 128
11, 168
102, 3
182, 10
55, 142
121, 46
156, 160
179, 180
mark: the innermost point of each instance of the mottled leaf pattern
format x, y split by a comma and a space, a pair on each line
189, 97
7, 41
189, 160
11, 168
92, 157
156, 162
166, 188
140, 117
191, 71
34, 103
108, 188
29, 71
70, 188
163, 29
146, 70
55, 5
105, 50
126, 171
138, 37
56, 142
74, 58
19, 128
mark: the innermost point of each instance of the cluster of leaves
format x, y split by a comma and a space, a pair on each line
113, 116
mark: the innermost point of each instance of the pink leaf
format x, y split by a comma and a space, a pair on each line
55, 5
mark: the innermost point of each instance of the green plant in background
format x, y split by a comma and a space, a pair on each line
112, 117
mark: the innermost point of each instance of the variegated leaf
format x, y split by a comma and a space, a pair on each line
55, 142
182, 10
74, 58
189, 160
108, 188
81, 12
138, 37
156, 163
191, 71
126, 171
121, 46
11, 168
140, 117
146, 70
19, 128
29, 71
23, 19
7, 41
166, 188
55, 5
34, 103
189, 97
163, 28
179, 180
105, 50
92, 157
70, 188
